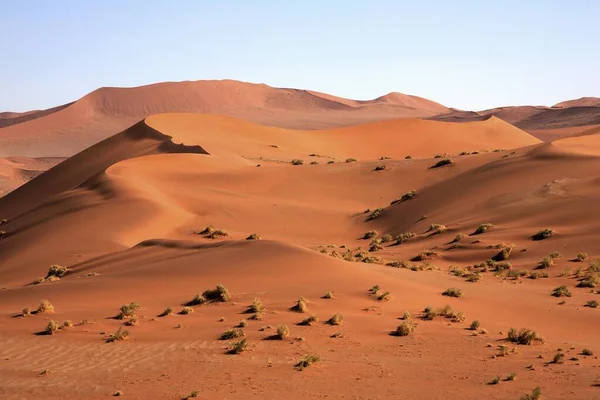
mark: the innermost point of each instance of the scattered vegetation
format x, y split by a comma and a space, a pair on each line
168, 311
349, 160
336, 319
307, 361
57, 271
436, 229
375, 214
237, 347
328, 295
45, 307
558, 358
495, 380
587, 352
404, 329
386, 296
441, 163
219, 294
379, 168
254, 236
300, 306
453, 292
458, 238
257, 306
591, 304
406, 315
425, 255
120, 334
543, 234
483, 228
370, 235
504, 254
561, 291
52, 327
475, 325
403, 237
309, 321
511, 377
581, 256
186, 310
406, 196
128, 310
535, 394
282, 332
374, 290
524, 336
233, 333
297, 162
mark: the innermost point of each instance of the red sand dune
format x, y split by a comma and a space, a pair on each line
122, 215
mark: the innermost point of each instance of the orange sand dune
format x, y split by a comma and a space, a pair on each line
124, 216
581, 102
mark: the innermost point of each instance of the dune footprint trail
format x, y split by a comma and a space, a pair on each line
356, 264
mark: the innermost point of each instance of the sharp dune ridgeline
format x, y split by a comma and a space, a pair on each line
234, 240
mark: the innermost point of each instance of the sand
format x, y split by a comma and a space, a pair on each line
124, 214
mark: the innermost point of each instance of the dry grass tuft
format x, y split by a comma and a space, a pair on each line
336, 319
300, 306
307, 361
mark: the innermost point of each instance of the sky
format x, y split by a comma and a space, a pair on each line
468, 54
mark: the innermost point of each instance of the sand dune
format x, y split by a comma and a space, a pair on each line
581, 102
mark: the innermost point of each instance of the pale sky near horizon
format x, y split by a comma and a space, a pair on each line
467, 54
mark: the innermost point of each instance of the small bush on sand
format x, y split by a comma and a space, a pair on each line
406, 315
436, 229
379, 168
483, 228
208, 230
524, 336
309, 321
194, 394
220, 293
475, 325
558, 358
336, 319
406, 196
430, 313
561, 291
375, 247
132, 321
196, 301
458, 238
555, 255
403, 237
45, 307
217, 234
404, 329
386, 238
238, 347
543, 234
581, 256
313, 163
375, 214
441, 163
330, 162
242, 324
168, 311
495, 380
297, 162
590, 280
282, 332
546, 262
186, 310
591, 304
370, 235
374, 290
453, 292
257, 306
504, 254
349, 160
386, 296
52, 327
511, 377
232, 334
300, 306
57, 270
425, 255
307, 361
120, 334
587, 352
254, 236
128, 310
535, 394
328, 295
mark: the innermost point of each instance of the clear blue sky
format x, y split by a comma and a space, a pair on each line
470, 54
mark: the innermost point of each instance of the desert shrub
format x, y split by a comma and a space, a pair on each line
425, 255
524, 336
330, 162
441, 163
208, 230
52, 327
168, 311
475, 325
436, 229
57, 270
406, 196
474, 277
336, 319
128, 310
504, 254
379, 168
386, 238
537, 275
581, 256
587, 352
555, 255
313, 163
375, 289
186, 310
590, 280
375, 247
370, 235
535, 394
220, 293
349, 160
591, 304
404, 329
297, 162
257, 306
254, 236
516, 274
456, 316
309, 320
403, 237
561, 291
132, 321
375, 214
483, 228
385, 296
495, 380
558, 358
233, 333
300, 306
546, 262
120, 334
196, 301
282, 331
543, 234
45, 306
328, 295
242, 324
237, 347
453, 292
217, 234
25, 312
458, 238
430, 313
307, 361
406, 315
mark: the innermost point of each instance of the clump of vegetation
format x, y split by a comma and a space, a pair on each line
453, 292
257, 306
336, 319
186, 310
591, 304
233, 333
379, 168
561, 291
590, 280
217, 234
404, 329
524, 336
535, 394
328, 295
386, 238
406, 315
282, 332
196, 301
313, 163
297, 162
242, 324
52, 327
375, 247
300, 306
543, 234
309, 321
495, 380
57, 271
128, 310
374, 290
436, 229
45, 307
441, 163
483, 228
208, 230
425, 255
349, 160
581, 256
219, 294
120, 334
406, 196
475, 325
370, 235
430, 313
403, 237
307, 361
458, 238
375, 214
385, 296
132, 321
238, 347
254, 236
558, 358
504, 254
168, 311
25, 312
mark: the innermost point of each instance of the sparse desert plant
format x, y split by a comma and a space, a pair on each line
120, 334
52, 327
282, 332
330, 162
406, 196
581, 256
370, 235
217, 234
67, 324
257, 306
546, 262
475, 325
336, 319
495, 380
313, 163
297, 162
237, 347
379, 168
558, 358
26, 312
196, 301
590, 280
328, 295
57, 270
375, 214
511, 377
132, 321
242, 324
375, 247
385, 296
430, 313
208, 230
453, 292
543, 234
186, 310
220, 293
404, 329
254, 236
406, 315
128, 310
535, 394
425, 255
504, 254
591, 304
233, 333
457, 238
300, 306
307, 361
441, 163
561, 291
524, 336
436, 229
168, 311
374, 290
555, 255
456, 316
474, 277
349, 160
45, 307
309, 320
408, 157
403, 237
483, 228
386, 238
587, 352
